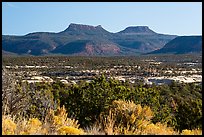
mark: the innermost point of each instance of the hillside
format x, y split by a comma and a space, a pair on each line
182, 45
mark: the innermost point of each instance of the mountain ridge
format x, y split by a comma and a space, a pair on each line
132, 40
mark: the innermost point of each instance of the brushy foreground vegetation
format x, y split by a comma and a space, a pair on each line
103, 106
124, 118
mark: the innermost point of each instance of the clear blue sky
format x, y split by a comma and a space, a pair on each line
179, 18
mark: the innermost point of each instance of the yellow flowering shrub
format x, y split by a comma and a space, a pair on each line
53, 124
158, 129
130, 113
8, 126
147, 113
131, 119
150, 129
59, 118
191, 132
34, 122
141, 124
125, 116
67, 130
34, 126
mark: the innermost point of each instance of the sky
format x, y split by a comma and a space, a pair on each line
177, 18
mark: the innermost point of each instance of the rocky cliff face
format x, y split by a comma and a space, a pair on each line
85, 29
75, 27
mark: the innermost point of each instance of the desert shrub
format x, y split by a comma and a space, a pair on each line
125, 117
8, 125
23, 99
41, 100
189, 114
32, 126
59, 118
94, 129
88, 100
12, 101
180, 106
191, 132
56, 122
66, 130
